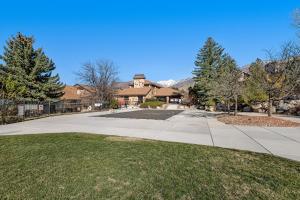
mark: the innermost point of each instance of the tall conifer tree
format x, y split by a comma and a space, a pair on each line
31, 68
207, 62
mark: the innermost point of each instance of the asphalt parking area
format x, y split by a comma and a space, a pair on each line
144, 114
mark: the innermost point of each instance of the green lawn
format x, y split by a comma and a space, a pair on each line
84, 166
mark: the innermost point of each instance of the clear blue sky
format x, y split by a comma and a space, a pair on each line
159, 38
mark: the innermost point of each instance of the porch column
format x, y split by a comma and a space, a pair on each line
168, 99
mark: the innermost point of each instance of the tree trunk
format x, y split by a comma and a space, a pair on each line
4, 113
228, 107
270, 107
235, 105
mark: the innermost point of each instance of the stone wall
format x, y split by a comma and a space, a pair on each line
280, 107
288, 106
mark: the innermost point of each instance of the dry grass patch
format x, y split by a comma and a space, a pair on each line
256, 121
123, 139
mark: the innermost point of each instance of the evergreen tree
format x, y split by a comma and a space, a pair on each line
268, 80
207, 63
31, 68
10, 89
253, 90
227, 85
197, 95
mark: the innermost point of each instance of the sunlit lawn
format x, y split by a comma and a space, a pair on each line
85, 166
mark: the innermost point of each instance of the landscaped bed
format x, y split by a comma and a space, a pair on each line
84, 166
256, 121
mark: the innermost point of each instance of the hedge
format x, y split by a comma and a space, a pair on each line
151, 104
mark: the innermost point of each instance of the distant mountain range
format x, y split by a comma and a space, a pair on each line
183, 84
167, 83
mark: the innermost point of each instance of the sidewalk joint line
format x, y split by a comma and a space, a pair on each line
254, 140
211, 137
276, 133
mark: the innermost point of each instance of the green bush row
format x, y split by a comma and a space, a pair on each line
151, 104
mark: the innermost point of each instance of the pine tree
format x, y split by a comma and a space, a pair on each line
207, 63
31, 68
227, 85
266, 80
253, 90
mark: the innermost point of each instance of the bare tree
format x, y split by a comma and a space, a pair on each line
100, 76
280, 76
287, 64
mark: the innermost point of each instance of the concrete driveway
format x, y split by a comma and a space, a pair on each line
189, 126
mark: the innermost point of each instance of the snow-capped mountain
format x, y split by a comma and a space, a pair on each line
167, 83
182, 84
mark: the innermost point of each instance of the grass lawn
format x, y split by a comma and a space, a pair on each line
85, 166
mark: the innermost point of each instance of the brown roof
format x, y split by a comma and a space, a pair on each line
86, 87
120, 85
134, 92
167, 92
70, 92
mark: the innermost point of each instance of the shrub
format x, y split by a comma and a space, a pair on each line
151, 99
113, 104
151, 104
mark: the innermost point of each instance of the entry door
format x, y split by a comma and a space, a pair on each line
140, 99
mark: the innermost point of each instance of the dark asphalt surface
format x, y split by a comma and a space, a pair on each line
145, 114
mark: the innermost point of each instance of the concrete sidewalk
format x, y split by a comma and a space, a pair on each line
190, 126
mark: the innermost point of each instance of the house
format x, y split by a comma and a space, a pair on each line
140, 89
170, 95
76, 98
81, 97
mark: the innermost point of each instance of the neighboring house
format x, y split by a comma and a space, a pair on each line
169, 95
76, 98
141, 89
245, 73
80, 97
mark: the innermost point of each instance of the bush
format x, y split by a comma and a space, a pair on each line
114, 104
151, 104
151, 99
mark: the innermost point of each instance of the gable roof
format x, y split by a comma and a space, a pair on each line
134, 92
85, 87
167, 92
120, 85
71, 92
